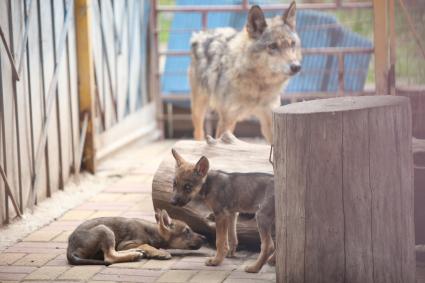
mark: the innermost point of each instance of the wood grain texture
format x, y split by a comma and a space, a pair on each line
228, 154
343, 169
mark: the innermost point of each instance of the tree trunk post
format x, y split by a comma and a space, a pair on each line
344, 190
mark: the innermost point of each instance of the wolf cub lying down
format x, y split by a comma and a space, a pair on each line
108, 240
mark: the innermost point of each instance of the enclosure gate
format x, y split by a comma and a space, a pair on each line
57, 104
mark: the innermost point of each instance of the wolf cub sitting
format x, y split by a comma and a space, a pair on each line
227, 194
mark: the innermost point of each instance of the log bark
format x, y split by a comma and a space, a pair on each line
344, 190
227, 154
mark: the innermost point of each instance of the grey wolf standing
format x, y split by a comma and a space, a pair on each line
227, 194
108, 240
242, 73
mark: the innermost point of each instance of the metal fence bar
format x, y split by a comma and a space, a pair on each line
412, 27
341, 86
266, 8
305, 51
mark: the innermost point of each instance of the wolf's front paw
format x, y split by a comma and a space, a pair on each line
231, 253
138, 255
163, 255
252, 269
272, 260
212, 261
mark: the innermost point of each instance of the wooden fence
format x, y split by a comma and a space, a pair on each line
44, 126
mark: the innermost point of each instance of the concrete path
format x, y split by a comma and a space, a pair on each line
40, 255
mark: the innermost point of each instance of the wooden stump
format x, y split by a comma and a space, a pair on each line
227, 154
344, 195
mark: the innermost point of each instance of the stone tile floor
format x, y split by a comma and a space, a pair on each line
40, 256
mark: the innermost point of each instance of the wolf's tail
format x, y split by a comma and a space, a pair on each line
76, 260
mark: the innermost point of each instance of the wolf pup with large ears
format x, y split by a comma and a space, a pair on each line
227, 194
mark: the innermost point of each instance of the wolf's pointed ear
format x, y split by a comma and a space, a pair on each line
164, 222
256, 23
157, 214
177, 157
202, 166
289, 15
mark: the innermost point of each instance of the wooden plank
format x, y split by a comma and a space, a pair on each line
36, 96
85, 78
48, 64
357, 197
384, 177
281, 191
15, 30
403, 125
323, 201
7, 80
292, 162
380, 8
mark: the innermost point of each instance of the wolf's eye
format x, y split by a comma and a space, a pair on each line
293, 44
188, 188
174, 184
186, 231
273, 46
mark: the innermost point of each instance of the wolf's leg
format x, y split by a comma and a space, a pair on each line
148, 251
265, 117
233, 236
107, 244
221, 241
199, 106
152, 252
272, 259
267, 246
225, 123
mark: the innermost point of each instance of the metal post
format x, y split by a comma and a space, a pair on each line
341, 86
85, 80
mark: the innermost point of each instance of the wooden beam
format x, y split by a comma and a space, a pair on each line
380, 8
85, 80
392, 45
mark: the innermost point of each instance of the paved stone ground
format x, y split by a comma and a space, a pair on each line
40, 256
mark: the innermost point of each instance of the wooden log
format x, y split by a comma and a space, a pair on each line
344, 190
227, 154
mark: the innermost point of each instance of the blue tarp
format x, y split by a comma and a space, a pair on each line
316, 29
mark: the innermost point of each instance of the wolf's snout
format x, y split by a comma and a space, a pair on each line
177, 201
295, 68
174, 201
203, 238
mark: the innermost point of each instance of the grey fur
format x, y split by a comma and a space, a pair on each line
238, 74
228, 194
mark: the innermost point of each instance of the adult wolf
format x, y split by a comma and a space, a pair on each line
242, 73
